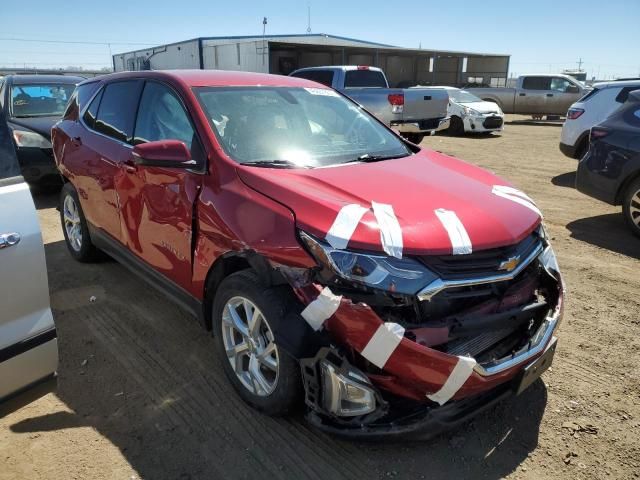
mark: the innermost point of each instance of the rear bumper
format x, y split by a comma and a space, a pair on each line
421, 126
594, 184
568, 150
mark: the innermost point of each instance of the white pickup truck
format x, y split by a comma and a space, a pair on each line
414, 112
537, 95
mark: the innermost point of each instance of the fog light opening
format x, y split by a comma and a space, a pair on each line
344, 396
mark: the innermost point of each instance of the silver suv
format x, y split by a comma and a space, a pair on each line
28, 342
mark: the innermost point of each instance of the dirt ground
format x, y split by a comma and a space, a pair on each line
140, 394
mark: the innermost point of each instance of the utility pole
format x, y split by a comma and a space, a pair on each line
309, 17
264, 31
580, 62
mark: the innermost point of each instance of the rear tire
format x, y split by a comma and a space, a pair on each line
456, 127
631, 206
74, 226
270, 383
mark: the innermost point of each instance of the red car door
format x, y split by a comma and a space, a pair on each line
102, 144
156, 204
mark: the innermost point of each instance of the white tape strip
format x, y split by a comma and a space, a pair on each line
344, 225
460, 373
458, 235
318, 311
516, 196
383, 343
390, 231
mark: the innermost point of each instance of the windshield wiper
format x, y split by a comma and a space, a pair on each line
377, 158
275, 164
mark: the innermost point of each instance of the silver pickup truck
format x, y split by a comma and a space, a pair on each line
414, 112
537, 95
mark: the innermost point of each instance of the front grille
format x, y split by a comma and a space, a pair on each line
492, 122
481, 263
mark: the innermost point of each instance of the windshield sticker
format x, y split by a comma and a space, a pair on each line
322, 91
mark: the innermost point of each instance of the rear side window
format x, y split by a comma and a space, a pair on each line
91, 113
364, 78
324, 77
536, 83
161, 116
590, 95
624, 93
118, 109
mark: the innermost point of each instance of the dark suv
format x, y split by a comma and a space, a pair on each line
31, 104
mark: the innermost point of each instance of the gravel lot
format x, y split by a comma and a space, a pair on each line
140, 394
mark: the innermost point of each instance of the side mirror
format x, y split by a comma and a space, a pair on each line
163, 153
572, 89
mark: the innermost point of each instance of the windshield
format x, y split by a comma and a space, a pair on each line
462, 96
40, 100
305, 127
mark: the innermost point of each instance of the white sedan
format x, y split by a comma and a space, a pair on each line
470, 114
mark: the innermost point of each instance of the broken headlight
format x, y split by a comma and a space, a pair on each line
397, 275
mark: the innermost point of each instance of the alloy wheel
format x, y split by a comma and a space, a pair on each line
72, 226
634, 208
250, 347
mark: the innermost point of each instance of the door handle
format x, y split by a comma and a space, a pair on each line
130, 166
523, 94
9, 240
549, 94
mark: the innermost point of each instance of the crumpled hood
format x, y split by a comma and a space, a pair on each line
415, 187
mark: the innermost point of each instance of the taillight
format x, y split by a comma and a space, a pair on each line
598, 132
397, 102
574, 113
363, 67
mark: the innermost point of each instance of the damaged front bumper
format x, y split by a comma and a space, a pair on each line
375, 377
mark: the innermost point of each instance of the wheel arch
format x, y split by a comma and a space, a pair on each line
635, 175
230, 263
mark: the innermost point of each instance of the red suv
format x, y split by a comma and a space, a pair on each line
394, 288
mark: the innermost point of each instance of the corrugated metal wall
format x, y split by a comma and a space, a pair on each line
182, 55
244, 56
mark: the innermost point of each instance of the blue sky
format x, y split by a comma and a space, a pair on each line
541, 36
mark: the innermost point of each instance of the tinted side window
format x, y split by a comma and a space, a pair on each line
364, 78
118, 109
536, 83
91, 113
624, 93
161, 116
324, 77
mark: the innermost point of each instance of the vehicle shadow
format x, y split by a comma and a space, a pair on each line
536, 123
147, 377
567, 180
45, 198
606, 231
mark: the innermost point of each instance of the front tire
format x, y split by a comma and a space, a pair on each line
456, 126
244, 316
74, 226
631, 206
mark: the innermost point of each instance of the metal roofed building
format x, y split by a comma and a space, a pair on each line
281, 54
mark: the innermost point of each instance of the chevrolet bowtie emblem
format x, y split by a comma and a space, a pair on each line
510, 264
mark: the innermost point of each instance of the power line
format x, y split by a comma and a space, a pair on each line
15, 39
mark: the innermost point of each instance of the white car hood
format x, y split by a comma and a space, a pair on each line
483, 107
